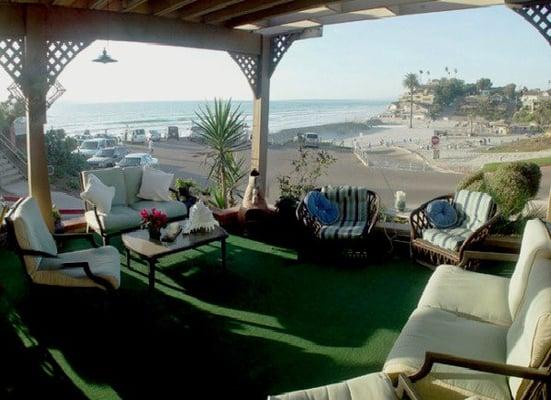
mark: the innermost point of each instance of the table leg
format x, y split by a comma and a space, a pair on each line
128, 258
152, 274
223, 249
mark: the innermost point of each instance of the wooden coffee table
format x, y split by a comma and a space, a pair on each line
151, 250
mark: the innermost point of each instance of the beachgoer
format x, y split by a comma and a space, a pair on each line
150, 145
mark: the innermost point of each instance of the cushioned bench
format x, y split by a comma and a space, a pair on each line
126, 206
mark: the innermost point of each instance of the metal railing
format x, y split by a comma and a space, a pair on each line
14, 155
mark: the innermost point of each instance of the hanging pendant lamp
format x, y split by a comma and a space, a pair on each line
104, 58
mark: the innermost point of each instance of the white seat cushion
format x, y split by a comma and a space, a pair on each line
119, 219
535, 243
430, 329
376, 386
103, 261
529, 337
469, 294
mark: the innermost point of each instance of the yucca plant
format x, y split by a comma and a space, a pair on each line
221, 128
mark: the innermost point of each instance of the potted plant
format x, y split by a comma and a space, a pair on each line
185, 188
58, 224
153, 220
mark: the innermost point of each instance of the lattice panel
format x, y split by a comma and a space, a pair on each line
539, 16
11, 57
279, 45
250, 66
59, 55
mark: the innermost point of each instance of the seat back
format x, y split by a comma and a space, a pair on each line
474, 209
133, 182
109, 177
529, 337
353, 201
31, 232
536, 244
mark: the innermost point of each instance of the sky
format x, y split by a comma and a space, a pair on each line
359, 60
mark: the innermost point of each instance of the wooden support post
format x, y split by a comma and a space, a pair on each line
35, 87
261, 109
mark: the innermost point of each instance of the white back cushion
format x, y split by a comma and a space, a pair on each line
99, 194
155, 185
32, 233
473, 208
535, 244
529, 337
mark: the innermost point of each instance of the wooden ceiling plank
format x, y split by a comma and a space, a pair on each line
165, 7
133, 4
293, 6
242, 8
98, 4
203, 7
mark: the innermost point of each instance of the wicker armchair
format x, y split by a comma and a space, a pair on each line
359, 211
430, 254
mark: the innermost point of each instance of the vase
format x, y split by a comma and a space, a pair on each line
154, 233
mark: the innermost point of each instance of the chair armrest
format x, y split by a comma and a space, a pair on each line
405, 387
95, 209
71, 236
36, 253
536, 374
86, 267
374, 204
307, 219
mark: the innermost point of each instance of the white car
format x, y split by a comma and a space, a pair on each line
154, 135
138, 159
137, 136
311, 140
89, 147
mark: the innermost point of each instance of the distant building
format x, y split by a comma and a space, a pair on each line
531, 98
423, 99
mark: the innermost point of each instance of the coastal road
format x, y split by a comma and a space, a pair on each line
187, 159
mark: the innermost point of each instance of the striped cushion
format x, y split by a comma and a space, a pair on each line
473, 208
343, 230
352, 201
450, 239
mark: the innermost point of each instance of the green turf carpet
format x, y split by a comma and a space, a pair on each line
266, 325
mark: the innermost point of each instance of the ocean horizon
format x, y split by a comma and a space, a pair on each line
115, 117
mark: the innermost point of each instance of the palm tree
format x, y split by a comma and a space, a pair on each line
221, 128
411, 83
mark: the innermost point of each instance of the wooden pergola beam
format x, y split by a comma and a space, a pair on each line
133, 4
98, 4
165, 7
239, 9
88, 25
294, 6
203, 7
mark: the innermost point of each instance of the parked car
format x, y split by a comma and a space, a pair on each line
137, 136
89, 147
108, 157
173, 133
154, 135
136, 159
311, 140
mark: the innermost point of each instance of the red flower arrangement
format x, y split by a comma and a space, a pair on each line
153, 221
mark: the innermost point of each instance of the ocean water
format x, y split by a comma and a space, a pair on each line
114, 118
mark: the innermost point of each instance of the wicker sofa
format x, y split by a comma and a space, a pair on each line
431, 246
125, 211
472, 336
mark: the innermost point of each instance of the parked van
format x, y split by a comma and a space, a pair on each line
89, 147
137, 136
311, 140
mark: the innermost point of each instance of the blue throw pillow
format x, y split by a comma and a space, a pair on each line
320, 207
442, 214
